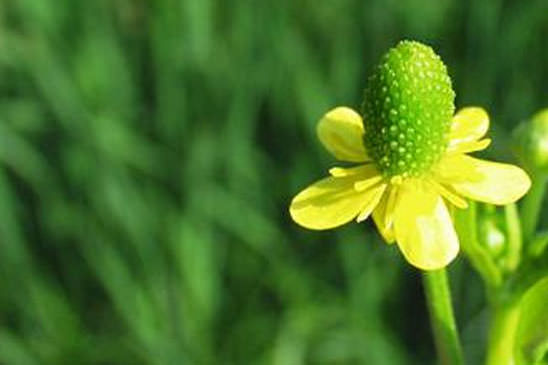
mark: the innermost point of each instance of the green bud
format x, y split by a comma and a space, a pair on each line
407, 110
492, 237
531, 142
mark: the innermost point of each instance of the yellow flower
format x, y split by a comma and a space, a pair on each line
413, 155
410, 209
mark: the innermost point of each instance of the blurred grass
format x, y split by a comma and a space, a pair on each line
149, 150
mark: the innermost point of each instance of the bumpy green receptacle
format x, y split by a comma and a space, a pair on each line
407, 110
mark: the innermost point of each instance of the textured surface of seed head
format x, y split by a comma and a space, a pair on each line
407, 110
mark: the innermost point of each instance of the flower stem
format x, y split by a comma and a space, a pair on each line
515, 237
502, 334
466, 225
438, 297
532, 204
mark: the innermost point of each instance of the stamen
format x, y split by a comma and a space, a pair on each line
366, 212
368, 183
451, 196
390, 206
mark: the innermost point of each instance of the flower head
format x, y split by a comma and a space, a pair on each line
413, 160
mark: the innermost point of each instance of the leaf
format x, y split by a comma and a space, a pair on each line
538, 244
14, 350
532, 333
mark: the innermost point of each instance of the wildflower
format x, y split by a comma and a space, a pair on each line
413, 162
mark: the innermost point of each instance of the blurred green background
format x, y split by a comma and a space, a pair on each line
148, 153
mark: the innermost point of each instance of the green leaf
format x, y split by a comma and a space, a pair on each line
538, 244
14, 350
532, 333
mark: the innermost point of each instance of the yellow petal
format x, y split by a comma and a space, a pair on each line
486, 181
331, 202
467, 147
453, 168
341, 132
423, 227
468, 125
372, 203
381, 217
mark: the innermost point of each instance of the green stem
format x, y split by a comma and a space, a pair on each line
502, 334
438, 298
532, 204
481, 260
513, 255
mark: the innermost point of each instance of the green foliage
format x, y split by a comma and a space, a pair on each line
148, 153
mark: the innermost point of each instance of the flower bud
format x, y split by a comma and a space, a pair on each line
531, 142
491, 231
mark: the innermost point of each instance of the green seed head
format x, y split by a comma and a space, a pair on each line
407, 110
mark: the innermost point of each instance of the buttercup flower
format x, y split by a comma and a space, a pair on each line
413, 162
